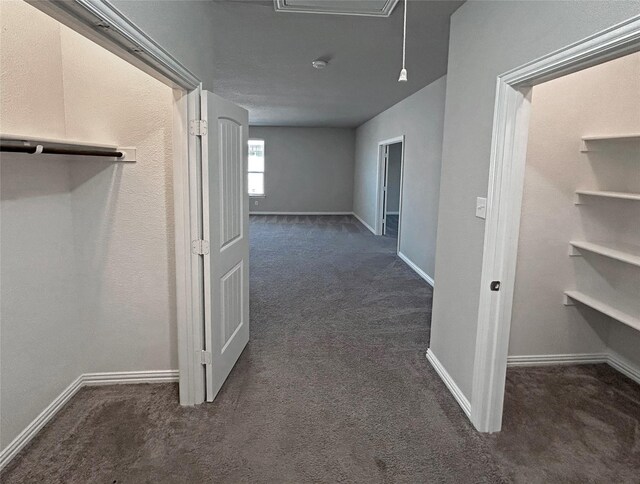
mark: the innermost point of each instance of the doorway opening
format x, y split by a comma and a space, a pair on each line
504, 205
391, 194
389, 206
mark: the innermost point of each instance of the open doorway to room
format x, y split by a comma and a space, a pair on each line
560, 278
87, 237
389, 203
575, 315
108, 211
392, 194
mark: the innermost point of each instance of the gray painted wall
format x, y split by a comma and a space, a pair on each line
306, 169
487, 39
420, 118
393, 179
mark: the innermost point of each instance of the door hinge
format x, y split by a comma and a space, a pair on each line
200, 247
495, 285
197, 127
205, 357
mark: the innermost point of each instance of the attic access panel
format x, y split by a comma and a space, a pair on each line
367, 8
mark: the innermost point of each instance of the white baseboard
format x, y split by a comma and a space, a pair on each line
373, 231
624, 366
552, 360
24, 437
448, 381
419, 271
88, 379
120, 377
299, 213
612, 359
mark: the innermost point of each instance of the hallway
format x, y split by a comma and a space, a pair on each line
343, 323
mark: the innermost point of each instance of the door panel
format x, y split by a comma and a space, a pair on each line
226, 218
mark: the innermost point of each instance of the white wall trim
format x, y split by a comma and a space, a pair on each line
448, 381
418, 271
554, 360
299, 213
87, 379
393, 213
121, 377
614, 360
364, 223
504, 202
24, 437
624, 366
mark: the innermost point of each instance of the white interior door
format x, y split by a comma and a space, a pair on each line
226, 228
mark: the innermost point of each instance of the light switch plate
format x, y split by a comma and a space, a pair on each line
481, 207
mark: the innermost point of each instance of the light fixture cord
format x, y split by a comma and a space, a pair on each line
404, 34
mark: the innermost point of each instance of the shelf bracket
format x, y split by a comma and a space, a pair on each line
583, 146
567, 301
574, 252
129, 155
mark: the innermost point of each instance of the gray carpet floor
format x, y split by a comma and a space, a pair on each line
392, 226
334, 387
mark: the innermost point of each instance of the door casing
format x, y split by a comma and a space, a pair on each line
381, 183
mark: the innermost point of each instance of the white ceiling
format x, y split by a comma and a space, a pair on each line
263, 60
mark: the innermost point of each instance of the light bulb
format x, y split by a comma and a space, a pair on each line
403, 76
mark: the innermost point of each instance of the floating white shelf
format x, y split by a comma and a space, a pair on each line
605, 194
588, 141
31, 141
627, 253
570, 296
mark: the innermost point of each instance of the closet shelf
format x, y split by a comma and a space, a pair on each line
589, 140
570, 296
627, 253
605, 194
44, 146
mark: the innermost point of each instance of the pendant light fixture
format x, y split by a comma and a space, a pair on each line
403, 72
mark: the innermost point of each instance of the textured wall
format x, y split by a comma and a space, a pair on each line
420, 118
86, 246
600, 100
306, 169
487, 39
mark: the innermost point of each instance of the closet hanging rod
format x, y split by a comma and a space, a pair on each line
13, 143
48, 150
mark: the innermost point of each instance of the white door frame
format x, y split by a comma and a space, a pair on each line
380, 184
107, 26
506, 181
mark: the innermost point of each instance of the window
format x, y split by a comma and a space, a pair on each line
256, 167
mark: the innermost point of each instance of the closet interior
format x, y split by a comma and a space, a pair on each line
577, 294
86, 236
